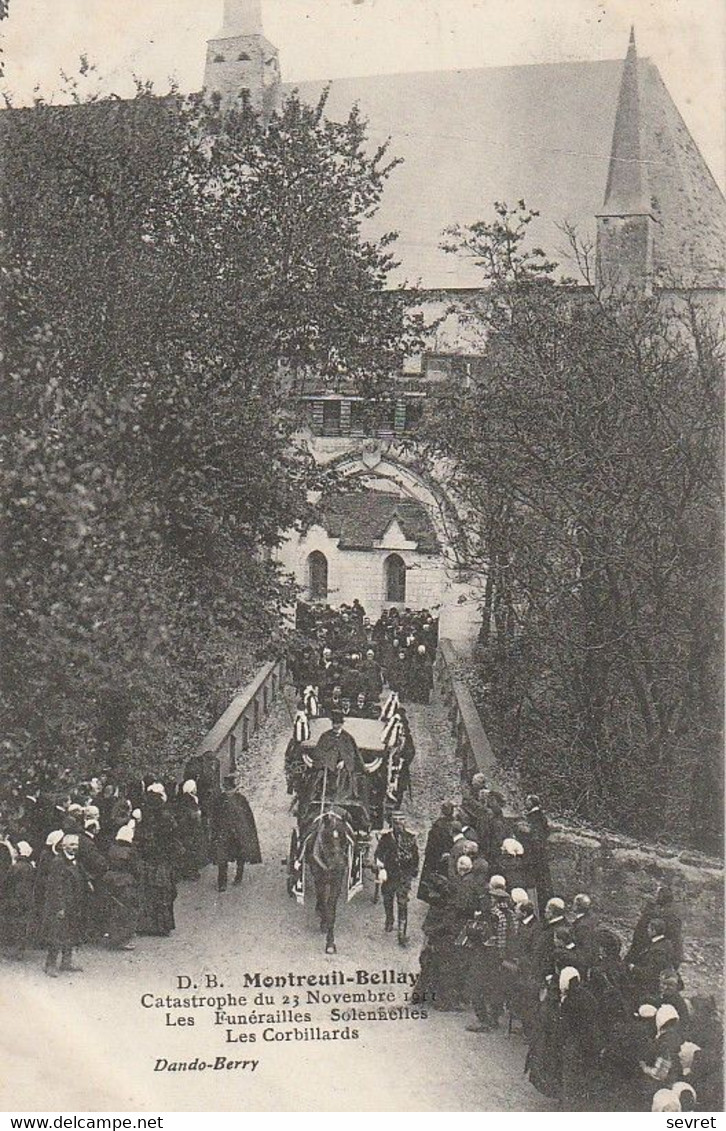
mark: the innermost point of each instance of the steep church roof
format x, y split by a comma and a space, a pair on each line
544, 133
361, 519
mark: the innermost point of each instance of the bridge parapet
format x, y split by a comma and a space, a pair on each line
230, 736
472, 744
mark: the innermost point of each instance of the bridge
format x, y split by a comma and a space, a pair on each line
125, 1005
432, 1063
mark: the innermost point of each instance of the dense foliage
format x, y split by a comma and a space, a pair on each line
589, 451
168, 274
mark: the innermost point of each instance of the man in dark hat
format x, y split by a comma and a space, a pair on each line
658, 956
337, 752
397, 860
234, 833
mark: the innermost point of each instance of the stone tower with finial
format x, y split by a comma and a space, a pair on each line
241, 63
625, 223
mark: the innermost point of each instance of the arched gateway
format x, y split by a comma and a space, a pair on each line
394, 540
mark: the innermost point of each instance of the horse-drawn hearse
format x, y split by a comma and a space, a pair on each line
343, 790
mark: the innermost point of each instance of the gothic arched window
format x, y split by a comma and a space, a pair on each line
394, 572
317, 576
243, 57
219, 58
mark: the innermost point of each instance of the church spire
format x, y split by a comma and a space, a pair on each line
626, 189
624, 252
242, 65
241, 17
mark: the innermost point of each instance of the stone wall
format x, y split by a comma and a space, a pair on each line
623, 874
619, 872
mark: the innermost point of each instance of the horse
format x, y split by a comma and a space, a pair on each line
327, 855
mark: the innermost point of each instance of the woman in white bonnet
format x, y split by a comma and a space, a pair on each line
512, 863
665, 1100
582, 1041
122, 888
663, 1066
48, 853
193, 850
686, 1095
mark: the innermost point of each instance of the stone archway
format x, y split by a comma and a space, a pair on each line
373, 464
393, 468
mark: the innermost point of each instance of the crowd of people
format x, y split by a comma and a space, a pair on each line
100, 863
340, 664
609, 1027
609, 1024
348, 658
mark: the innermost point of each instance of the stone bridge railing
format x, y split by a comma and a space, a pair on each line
619, 871
230, 736
472, 745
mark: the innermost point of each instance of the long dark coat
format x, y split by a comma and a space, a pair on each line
545, 955
193, 850
584, 928
16, 907
64, 893
610, 983
331, 749
93, 866
233, 830
438, 843
647, 970
581, 1044
420, 678
373, 680
544, 1059
535, 847
525, 982
398, 854
122, 888
159, 852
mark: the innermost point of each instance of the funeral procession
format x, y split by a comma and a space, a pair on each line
362, 538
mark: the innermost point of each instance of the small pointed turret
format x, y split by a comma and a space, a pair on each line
625, 224
626, 190
241, 62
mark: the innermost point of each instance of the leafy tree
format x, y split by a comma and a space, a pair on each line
168, 274
589, 450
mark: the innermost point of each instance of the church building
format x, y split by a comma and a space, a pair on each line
599, 146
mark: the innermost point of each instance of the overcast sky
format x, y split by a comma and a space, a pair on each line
163, 39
